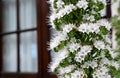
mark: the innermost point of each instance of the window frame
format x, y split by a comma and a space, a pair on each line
42, 39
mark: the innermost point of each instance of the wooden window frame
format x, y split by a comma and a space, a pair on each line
42, 39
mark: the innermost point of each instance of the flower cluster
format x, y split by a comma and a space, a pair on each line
82, 43
101, 73
80, 56
89, 11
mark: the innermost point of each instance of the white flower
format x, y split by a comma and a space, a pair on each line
93, 27
113, 54
115, 64
92, 18
78, 74
51, 3
92, 64
103, 12
67, 28
60, 4
85, 16
56, 40
58, 57
66, 10
93, 12
83, 28
104, 61
63, 70
99, 44
101, 72
86, 48
74, 46
109, 62
104, 22
51, 19
89, 27
82, 4
83, 52
111, 51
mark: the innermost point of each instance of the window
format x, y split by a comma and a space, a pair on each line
20, 35
23, 39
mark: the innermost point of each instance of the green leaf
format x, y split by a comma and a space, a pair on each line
100, 6
60, 46
103, 30
89, 71
112, 69
72, 33
65, 62
107, 54
54, 4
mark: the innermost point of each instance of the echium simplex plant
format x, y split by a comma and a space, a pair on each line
82, 43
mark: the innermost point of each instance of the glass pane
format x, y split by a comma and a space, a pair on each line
9, 15
10, 53
28, 52
52, 53
27, 14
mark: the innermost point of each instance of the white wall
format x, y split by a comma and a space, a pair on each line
114, 12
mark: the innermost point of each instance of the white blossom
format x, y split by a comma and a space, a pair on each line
60, 4
58, 57
101, 72
99, 44
91, 27
85, 16
91, 18
78, 74
103, 12
115, 64
83, 52
104, 22
51, 19
66, 10
67, 28
56, 40
83, 28
105, 61
92, 64
74, 46
113, 54
67, 69
82, 4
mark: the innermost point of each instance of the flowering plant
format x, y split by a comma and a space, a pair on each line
82, 43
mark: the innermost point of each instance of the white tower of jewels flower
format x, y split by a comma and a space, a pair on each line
82, 43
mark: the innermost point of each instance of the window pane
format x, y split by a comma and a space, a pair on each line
9, 15
10, 53
52, 53
27, 14
28, 52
